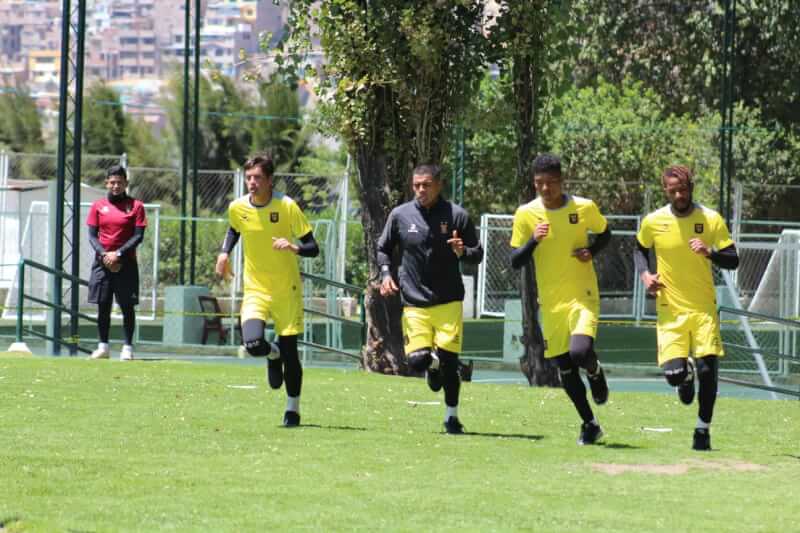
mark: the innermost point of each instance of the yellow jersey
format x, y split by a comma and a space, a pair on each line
560, 277
687, 277
265, 269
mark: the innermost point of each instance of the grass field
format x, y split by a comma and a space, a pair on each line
170, 446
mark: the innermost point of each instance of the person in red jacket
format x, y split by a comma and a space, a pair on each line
116, 227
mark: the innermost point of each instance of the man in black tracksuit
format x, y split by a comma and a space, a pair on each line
434, 236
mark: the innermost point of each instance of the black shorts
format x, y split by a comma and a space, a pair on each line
122, 285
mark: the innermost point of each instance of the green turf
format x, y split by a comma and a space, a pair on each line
156, 446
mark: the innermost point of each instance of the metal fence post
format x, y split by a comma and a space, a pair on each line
19, 344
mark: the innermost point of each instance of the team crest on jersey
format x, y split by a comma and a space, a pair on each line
698, 228
413, 228
443, 227
573, 218
273, 216
104, 209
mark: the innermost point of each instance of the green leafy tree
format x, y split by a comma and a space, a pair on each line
675, 48
398, 73
104, 121
20, 124
529, 43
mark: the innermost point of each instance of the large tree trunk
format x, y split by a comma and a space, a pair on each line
536, 368
379, 173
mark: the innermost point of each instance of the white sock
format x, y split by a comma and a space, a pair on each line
102, 346
293, 403
701, 424
451, 411
127, 347
434, 362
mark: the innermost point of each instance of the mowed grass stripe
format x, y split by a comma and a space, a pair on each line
157, 446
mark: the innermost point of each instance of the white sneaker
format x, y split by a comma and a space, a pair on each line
100, 353
126, 354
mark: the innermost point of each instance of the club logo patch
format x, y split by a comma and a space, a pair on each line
698, 228
443, 227
413, 229
273, 216
573, 218
104, 209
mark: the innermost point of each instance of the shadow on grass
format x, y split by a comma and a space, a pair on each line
618, 446
9, 521
339, 428
522, 436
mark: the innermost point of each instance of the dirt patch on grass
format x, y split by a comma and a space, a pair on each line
615, 469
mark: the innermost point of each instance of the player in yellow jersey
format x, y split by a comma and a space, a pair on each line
270, 223
554, 230
687, 238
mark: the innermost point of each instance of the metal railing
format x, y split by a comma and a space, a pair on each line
21, 330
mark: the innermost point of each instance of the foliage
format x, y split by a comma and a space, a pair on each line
279, 131
104, 121
398, 75
614, 141
210, 234
20, 124
490, 154
675, 49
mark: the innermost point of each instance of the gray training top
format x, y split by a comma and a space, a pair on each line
429, 269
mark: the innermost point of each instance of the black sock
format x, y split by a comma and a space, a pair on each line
708, 379
573, 385
103, 321
292, 369
451, 382
128, 323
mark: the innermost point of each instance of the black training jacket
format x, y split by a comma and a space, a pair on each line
429, 272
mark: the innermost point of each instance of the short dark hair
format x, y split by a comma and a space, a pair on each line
262, 161
547, 164
682, 172
117, 170
428, 169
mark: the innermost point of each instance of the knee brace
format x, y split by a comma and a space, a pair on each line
420, 360
256, 347
579, 357
675, 371
707, 367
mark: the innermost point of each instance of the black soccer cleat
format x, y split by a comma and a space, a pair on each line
701, 440
686, 389
599, 386
275, 373
453, 427
291, 419
434, 379
590, 433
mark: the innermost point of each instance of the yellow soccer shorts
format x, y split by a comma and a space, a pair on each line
564, 321
681, 334
439, 326
286, 310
